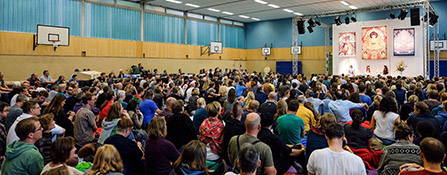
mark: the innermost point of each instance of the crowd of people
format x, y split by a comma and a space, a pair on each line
223, 122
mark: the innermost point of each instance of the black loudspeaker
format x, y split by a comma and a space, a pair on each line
415, 18
300, 25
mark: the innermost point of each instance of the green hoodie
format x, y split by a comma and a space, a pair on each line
22, 158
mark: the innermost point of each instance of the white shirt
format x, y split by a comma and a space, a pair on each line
385, 124
188, 93
325, 161
74, 170
44, 79
14, 99
12, 136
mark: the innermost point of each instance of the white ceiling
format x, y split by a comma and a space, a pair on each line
263, 12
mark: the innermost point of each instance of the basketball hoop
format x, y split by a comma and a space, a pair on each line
55, 44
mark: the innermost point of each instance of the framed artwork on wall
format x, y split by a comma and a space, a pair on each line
374, 43
346, 44
403, 42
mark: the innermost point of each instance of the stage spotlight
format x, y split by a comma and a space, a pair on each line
300, 26
403, 14
337, 20
309, 28
353, 19
392, 16
347, 20
318, 23
311, 22
433, 19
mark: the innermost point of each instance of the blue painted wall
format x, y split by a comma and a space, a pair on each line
279, 32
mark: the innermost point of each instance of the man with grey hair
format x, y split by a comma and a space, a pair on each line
270, 105
248, 160
253, 126
305, 114
167, 112
121, 95
317, 103
15, 111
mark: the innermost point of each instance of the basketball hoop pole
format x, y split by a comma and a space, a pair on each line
34, 42
203, 51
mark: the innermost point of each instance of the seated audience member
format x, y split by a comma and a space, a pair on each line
305, 114
424, 129
160, 153
135, 114
252, 108
148, 108
335, 159
180, 127
115, 114
290, 127
340, 107
200, 114
44, 144
270, 105
253, 126
407, 108
61, 170
228, 104
211, 131
421, 113
62, 150
22, 157
85, 121
383, 120
167, 112
30, 109
374, 106
130, 151
15, 111
192, 103
105, 106
316, 103
360, 139
232, 128
283, 155
441, 115
56, 107
120, 98
432, 155
436, 110
432, 101
260, 96
401, 152
107, 161
249, 160
315, 138
3, 132
192, 160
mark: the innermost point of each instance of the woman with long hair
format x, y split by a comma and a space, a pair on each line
56, 107
247, 101
232, 128
422, 113
192, 160
180, 127
228, 104
281, 109
110, 97
211, 131
383, 120
160, 153
62, 150
107, 161
116, 112
135, 114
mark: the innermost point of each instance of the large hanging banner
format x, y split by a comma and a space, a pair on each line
374, 43
346, 44
403, 42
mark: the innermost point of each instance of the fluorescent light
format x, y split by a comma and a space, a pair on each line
192, 5
243, 16
256, 19
273, 5
353, 7
299, 14
344, 3
260, 2
227, 13
174, 1
288, 10
214, 10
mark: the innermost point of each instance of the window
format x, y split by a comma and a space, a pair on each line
193, 15
154, 8
209, 18
174, 12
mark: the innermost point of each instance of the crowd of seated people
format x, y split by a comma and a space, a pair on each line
223, 122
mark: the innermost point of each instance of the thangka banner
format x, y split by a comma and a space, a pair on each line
346, 44
374, 43
403, 42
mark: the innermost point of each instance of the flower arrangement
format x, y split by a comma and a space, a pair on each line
401, 66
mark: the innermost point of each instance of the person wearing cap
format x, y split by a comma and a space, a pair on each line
283, 155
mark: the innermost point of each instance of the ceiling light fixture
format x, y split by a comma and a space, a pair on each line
214, 10
347, 20
256, 19
288, 10
353, 19
403, 14
309, 28
273, 5
227, 13
353, 7
311, 22
192, 5
243, 16
344, 3
174, 1
299, 14
260, 2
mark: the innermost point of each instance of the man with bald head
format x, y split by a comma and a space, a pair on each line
167, 112
253, 126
